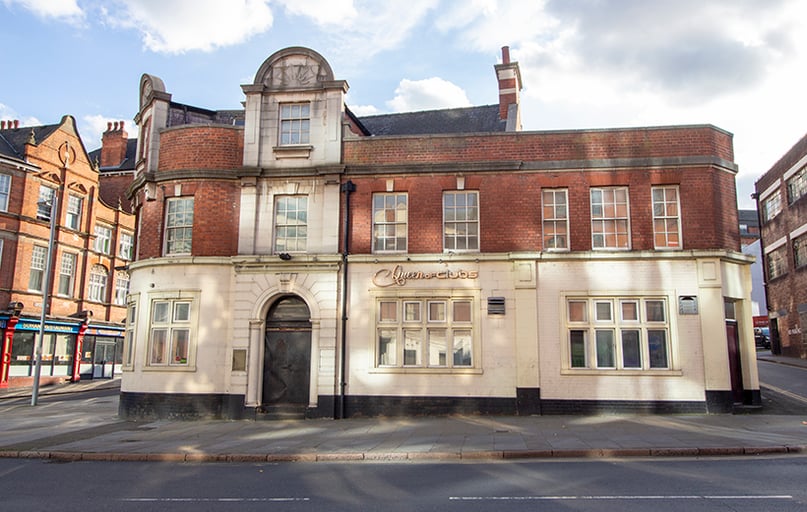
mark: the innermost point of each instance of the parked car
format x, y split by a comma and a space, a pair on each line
762, 337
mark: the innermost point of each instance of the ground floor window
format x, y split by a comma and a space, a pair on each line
425, 332
170, 331
618, 333
57, 354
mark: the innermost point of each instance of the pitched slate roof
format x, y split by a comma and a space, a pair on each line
479, 119
12, 140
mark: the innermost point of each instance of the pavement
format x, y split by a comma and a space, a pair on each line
79, 421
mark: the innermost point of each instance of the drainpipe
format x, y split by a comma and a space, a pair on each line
347, 188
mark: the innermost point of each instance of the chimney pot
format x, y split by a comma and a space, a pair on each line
121, 125
16, 123
109, 126
2, 125
505, 55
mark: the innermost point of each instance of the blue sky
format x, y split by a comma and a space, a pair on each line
738, 64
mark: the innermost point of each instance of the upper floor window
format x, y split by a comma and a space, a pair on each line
797, 185
96, 291
103, 239
777, 263
36, 279
179, 225
800, 251
771, 206
74, 204
461, 221
121, 287
556, 219
67, 270
291, 223
44, 206
666, 218
389, 222
125, 246
295, 121
610, 228
5, 191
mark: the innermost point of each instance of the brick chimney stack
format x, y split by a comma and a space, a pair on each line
509, 76
113, 145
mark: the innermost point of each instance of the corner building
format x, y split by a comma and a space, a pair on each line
297, 260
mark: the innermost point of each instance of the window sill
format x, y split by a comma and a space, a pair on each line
632, 373
293, 151
168, 368
427, 371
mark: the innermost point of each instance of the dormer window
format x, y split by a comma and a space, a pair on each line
295, 122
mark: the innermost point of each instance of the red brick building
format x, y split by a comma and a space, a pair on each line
294, 258
782, 202
85, 292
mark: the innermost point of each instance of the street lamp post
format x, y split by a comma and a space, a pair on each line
54, 213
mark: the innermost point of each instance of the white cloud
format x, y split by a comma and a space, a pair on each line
62, 10
9, 114
323, 12
183, 25
427, 94
92, 127
363, 110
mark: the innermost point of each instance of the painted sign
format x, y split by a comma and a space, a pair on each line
398, 277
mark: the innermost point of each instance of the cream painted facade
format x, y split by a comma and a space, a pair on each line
422, 331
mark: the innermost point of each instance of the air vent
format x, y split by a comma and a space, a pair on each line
495, 305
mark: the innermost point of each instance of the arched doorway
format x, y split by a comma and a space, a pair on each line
287, 355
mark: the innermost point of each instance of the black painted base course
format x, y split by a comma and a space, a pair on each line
527, 402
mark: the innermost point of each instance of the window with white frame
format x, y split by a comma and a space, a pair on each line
103, 239
618, 333
425, 333
771, 206
461, 221
555, 219
74, 205
96, 290
128, 336
666, 218
44, 205
5, 191
121, 287
67, 269
36, 279
390, 217
797, 185
125, 246
291, 223
170, 332
799, 251
179, 225
776, 262
295, 123
610, 226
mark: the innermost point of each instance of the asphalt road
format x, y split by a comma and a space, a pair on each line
738, 484
784, 388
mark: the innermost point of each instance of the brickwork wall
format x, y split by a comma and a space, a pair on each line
510, 207
215, 218
543, 146
201, 147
